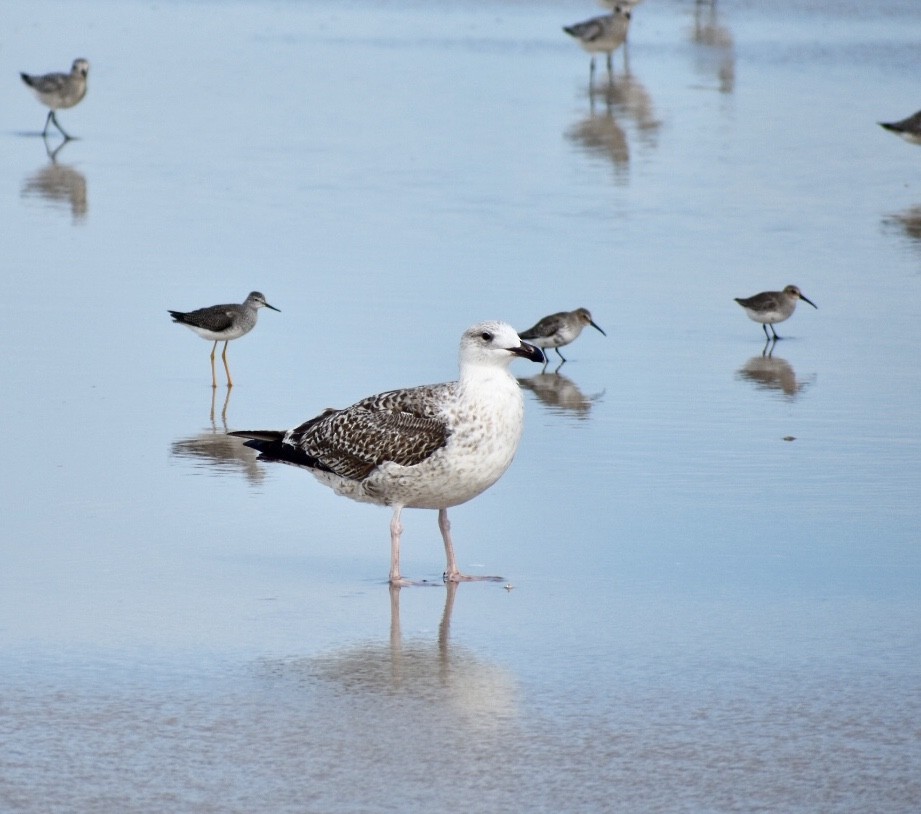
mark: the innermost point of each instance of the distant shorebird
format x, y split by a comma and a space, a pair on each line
559, 329
770, 307
59, 91
429, 447
221, 323
909, 129
602, 35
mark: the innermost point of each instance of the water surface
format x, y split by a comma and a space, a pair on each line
711, 546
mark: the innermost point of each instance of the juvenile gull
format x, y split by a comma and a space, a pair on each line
559, 329
222, 323
59, 91
429, 447
909, 129
770, 307
602, 35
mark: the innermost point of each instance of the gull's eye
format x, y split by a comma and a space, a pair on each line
486, 336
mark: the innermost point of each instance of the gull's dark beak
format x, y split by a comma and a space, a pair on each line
806, 299
531, 352
590, 322
273, 308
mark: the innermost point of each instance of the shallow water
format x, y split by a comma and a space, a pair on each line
711, 547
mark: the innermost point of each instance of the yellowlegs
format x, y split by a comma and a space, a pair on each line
909, 129
59, 91
221, 323
602, 35
770, 307
429, 447
559, 329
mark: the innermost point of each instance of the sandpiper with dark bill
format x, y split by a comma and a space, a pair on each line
771, 307
601, 35
222, 323
59, 91
560, 329
429, 447
909, 129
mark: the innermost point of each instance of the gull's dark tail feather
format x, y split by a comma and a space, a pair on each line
271, 447
268, 442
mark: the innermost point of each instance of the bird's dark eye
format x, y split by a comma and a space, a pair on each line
486, 336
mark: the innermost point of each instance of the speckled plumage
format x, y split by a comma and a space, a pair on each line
428, 447
59, 91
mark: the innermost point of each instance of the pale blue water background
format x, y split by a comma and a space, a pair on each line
705, 617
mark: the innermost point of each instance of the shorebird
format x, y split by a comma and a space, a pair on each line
429, 447
909, 129
59, 91
603, 34
770, 307
221, 323
559, 329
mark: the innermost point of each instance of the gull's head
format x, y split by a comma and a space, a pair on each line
80, 67
256, 299
495, 343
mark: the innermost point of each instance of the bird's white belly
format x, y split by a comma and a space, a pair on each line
214, 336
766, 317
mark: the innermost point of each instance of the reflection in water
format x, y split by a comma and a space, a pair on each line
715, 54
769, 372
58, 183
601, 134
214, 448
394, 681
908, 221
560, 394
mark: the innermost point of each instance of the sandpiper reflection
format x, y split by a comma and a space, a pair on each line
560, 394
715, 52
769, 372
213, 448
58, 184
622, 100
908, 222
399, 680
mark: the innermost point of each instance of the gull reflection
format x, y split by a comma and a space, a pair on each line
560, 394
715, 53
215, 449
769, 372
58, 184
429, 682
623, 98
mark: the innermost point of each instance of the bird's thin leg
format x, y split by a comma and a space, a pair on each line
213, 377
396, 530
47, 122
64, 133
776, 337
560, 354
591, 74
610, 69
226, 368
452, 572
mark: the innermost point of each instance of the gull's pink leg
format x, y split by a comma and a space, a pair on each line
396, 530
452, 572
